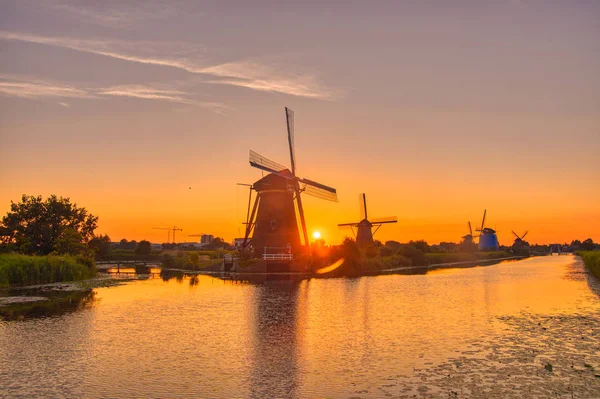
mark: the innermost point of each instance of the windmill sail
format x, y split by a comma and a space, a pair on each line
362, 203
389, 219
289, 117
319, 190
264, 163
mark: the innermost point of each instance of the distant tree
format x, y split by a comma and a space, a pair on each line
217, 243
123, 243
588, 245
143, 248
101, 245
395, 245
37, 226
421, 245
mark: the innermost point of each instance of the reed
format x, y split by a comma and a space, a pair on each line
591, 260
16, 269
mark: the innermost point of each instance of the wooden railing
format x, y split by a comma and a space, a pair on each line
278, 257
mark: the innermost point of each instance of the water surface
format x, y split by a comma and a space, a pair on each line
482, 332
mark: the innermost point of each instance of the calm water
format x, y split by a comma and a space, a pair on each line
367, 337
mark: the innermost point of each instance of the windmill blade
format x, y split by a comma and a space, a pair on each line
347, 224
390, 219
524, 234
264, 163
483, 220
319, 190
516, 235
289, 117
470, 229
362, 199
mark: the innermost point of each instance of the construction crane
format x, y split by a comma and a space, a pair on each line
169, 230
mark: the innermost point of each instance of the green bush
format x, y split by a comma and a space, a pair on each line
18, 269
591, 260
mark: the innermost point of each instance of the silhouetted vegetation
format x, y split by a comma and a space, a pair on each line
17, 269
143, 248
101, 246
40, 227
591, 260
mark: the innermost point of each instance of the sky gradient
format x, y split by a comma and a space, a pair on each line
144, 112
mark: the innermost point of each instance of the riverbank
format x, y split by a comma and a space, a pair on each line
591, 260
20, 270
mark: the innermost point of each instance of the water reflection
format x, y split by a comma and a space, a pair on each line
57, 304
275, 351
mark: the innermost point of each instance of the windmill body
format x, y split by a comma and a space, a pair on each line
276, 227
364, 229
488, 240
520, 242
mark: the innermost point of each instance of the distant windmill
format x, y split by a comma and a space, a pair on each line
519, 242
468, 239
277, 220
488, 241
364, 228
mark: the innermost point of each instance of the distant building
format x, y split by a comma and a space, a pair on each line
237, 242
206, 238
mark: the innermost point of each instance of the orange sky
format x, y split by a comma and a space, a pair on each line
435, 112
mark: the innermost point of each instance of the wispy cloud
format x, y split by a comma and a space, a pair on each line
66, 105
184, 56
37, 89
157, 93
120, 15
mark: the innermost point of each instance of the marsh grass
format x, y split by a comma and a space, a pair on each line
18, 270
591, 260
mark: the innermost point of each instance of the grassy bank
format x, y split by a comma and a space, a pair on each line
18, 269
452, 257
591, 260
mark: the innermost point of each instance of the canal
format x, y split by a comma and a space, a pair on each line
516, 329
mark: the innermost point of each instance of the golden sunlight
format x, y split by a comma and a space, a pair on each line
316, 235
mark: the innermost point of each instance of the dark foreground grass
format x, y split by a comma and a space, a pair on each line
17, 270
591, 260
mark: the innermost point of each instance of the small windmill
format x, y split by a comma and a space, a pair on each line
488, 241
468, 239
277, 218
364, 228
519, 240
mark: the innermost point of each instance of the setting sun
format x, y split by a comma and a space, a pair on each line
316, 235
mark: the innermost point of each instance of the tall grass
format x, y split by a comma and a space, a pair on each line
18, 269
591, 260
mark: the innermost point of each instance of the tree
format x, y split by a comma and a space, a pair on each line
588, 245
143, 248
101, 245
421, 245
35, 226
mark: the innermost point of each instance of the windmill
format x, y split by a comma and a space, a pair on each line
364, 228
488, 241
468, 239
519, 242
277, 222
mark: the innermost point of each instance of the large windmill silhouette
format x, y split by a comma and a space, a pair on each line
277, 223
364, 228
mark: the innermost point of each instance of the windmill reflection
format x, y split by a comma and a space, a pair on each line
275, 360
